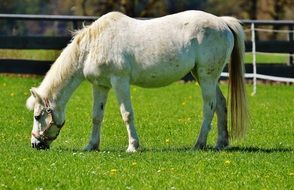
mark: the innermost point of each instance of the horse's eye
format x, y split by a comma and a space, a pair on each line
37, 117
48, 110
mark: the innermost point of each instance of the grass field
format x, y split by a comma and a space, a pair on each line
53, 54
168, 122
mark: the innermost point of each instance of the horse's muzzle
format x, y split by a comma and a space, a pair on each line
40, 145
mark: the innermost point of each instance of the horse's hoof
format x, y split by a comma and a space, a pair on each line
133, 147
221, 146
91, 147
131, 150
200, 146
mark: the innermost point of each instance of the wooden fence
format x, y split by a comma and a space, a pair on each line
59, 42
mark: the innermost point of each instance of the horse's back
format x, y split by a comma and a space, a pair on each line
173, 45
158, 51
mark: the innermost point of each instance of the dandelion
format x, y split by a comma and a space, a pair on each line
12, 94
134, 163
113, 171
167, 141
227, 162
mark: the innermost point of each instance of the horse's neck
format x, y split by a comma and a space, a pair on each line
67, 90
63, 78
59, 95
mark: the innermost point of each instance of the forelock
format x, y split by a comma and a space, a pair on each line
31, 101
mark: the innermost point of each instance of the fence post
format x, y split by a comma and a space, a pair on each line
10, 26
290, 38
253, 57
75, 24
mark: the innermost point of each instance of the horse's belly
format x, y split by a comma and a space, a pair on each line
161, 74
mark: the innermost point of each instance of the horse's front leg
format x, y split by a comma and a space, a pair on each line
121, 87
99, 101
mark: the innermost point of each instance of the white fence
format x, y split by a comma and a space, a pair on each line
254, 75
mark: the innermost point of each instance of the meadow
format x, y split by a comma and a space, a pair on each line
51, 55
168, 121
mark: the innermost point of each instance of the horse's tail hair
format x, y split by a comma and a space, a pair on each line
239, 114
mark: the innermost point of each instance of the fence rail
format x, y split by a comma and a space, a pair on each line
59, 42
44, 42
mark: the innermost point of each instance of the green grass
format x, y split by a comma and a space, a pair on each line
267, 58
168, 122
53, 54
42, 55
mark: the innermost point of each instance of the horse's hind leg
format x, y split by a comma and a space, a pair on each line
99, 101
121, 87
208, 88
221, 112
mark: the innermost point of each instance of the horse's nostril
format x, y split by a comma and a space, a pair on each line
37, 117
40, 146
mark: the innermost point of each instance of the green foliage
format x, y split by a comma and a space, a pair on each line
168, 122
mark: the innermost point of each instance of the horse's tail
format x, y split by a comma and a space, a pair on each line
237, 93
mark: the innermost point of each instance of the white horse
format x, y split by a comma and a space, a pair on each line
116, 51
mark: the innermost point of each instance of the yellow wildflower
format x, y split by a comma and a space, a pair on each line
113, 171
227, 162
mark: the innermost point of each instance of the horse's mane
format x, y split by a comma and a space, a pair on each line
61, 70
70, 60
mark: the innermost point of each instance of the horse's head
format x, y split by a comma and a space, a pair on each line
47, 120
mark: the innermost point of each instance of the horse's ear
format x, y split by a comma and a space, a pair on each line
31, 103
34, 92
36, 95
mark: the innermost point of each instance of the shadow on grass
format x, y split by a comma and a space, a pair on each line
252, 149
248, 149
